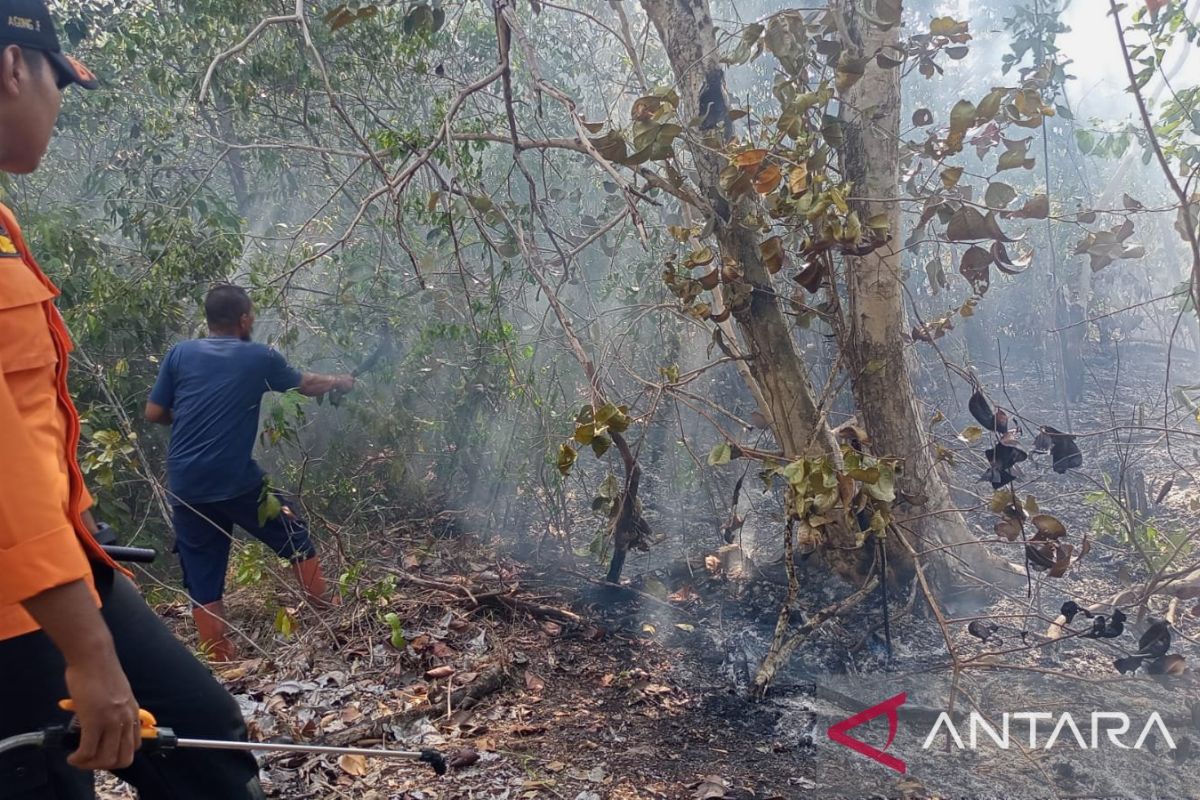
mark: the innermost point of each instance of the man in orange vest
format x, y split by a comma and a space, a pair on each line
72, 625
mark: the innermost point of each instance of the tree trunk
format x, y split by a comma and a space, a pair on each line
687, 32
881, 376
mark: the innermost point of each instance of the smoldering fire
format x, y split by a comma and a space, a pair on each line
1106, 727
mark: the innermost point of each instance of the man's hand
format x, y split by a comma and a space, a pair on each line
104, 702
109, 730
157, 414
89, 522
314, 385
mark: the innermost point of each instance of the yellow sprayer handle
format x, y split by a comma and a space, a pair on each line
146, 720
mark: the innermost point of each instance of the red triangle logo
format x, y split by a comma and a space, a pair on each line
837, 732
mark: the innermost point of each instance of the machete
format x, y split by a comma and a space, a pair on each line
369, 363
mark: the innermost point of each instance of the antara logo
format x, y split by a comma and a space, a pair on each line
1114, 724
837, 732
1104, 725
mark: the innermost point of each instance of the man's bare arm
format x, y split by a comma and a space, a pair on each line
314, 385
104, 702
158, 415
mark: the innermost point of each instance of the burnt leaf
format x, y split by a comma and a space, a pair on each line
1007, 264
974, 267
981, 629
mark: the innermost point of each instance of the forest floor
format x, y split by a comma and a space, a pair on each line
539, 683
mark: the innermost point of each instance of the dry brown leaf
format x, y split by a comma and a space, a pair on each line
798, 179
355, 765
462, 758
533, 683
750, 158
713, 787
768, 179
438, 673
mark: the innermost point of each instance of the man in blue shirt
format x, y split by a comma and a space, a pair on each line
210, 391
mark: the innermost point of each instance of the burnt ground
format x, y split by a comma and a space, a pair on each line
539, 683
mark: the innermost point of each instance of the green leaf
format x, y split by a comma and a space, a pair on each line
1085, 140
720, 454
269, 508
285, 623
397, 637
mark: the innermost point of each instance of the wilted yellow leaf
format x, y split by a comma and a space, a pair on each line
772, 253
798, 179
971, 434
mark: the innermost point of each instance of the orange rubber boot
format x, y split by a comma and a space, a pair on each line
213, 632
312, 580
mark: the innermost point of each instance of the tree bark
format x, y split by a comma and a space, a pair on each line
881, 377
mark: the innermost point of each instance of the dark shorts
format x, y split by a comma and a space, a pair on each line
167, 680
204, 531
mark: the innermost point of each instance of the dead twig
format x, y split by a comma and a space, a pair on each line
770, 666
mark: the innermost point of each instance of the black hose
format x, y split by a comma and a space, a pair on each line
131, 555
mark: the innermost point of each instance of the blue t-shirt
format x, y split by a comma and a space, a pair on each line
213, 388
